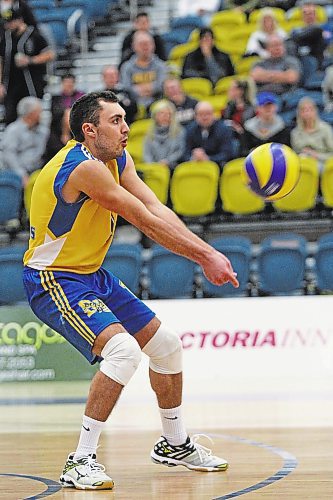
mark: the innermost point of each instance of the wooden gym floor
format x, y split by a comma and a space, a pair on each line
276, 448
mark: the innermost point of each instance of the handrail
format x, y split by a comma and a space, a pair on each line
71, 23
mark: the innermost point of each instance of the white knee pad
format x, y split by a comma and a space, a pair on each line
122, 355
165, 352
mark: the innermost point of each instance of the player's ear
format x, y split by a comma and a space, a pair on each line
89, 129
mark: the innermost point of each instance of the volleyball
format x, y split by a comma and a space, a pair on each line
272, 170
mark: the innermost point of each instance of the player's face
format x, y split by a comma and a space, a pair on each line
111, 132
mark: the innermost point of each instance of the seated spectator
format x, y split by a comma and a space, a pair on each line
207, 61
68, 95
144, 73
183, 103
266, 126
165, 141
208, 138
267, 26
60, 134
25, 139
110, 75
24, 54
309, 39
279, 73
312, 136
327, 87
200, 8
239, 107
142, 23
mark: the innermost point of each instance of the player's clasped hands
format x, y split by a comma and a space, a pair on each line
218, 270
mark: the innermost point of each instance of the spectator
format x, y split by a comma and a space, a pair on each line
208, 138
312, 136
200, 8
267, 26
165, 141
27, 13
239, 107
183, 103
279, 73
144, 73
309, 39
25, 139
142, 23
207, 61
60, 134
68, 95
24, 54
110, 75
266, 126
327, 87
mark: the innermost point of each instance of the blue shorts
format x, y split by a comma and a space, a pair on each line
80, 306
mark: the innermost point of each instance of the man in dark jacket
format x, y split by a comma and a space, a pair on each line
208, 138
207, 61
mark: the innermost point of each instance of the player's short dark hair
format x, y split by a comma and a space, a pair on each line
86, 110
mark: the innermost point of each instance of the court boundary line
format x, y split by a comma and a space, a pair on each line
290, 463
52, 486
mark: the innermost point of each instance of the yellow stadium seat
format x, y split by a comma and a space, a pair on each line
194, 188
327, 183
228, 18
199, 88
135, 149
139, 128
304, 196
244, 65
157, 177
28, 190
279, 14
222, 85
218, 102
235, 48
236, 197
241, 34
290, 24
295, 14
178, 52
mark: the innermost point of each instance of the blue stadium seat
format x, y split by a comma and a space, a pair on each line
238, 251
281, 264
170, 275
186, 24
11, 268
10, 196
324, 263
125, 262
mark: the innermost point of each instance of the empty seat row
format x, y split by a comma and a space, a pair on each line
280, 266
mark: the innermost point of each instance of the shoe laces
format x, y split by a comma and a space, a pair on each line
91, 463
203, 452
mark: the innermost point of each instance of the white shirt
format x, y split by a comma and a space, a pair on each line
192, 7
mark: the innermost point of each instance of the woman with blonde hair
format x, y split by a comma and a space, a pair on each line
267, 26
312, 136
165, 141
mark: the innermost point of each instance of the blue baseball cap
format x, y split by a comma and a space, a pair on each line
266, 98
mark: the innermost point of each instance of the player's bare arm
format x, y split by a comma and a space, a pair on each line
94, 179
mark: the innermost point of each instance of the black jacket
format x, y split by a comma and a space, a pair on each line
195, 64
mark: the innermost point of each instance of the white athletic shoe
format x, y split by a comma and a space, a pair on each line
85, 474
192, 455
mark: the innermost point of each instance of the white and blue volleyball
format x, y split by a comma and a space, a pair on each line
272, 170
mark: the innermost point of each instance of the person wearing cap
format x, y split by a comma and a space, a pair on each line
278, 73
207, 61
24, 53
266, 126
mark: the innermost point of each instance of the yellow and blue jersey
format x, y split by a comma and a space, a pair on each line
65, 236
